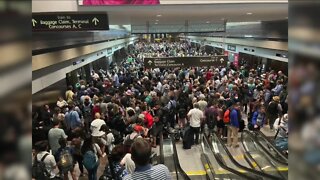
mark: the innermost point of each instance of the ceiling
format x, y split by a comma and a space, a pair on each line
178, 14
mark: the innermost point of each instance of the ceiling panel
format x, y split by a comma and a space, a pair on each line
178, 14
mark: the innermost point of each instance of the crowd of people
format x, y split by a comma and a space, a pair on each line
120, 115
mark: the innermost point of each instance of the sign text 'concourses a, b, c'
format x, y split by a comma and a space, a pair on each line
69, 21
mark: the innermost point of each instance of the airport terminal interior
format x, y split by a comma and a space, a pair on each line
160, 89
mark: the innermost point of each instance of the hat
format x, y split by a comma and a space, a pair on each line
129, 93
153, 94
141, 116
138, 128
276, 98
202, 96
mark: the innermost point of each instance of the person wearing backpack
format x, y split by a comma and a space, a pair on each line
137, 133
91, 154
171, 106
258, 118
65, 162
274, 110
44, 164
211, 117
115, 170
233, 126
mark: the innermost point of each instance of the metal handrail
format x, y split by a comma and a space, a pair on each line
260, 174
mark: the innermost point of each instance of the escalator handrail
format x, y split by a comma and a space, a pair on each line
223, 165
176, 160
265, 150
210, 166
259, 173
251, 136
272, 145
161, 149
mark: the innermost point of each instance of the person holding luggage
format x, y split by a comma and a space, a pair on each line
195, 117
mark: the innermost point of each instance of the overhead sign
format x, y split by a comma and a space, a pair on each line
171, 62
69, 21
232, 48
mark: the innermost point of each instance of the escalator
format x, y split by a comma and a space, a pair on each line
169, 157
269, 148
247, 166
217, 166
256, 152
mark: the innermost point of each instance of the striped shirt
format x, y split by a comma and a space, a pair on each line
158, 172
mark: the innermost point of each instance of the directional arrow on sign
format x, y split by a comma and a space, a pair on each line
34, 22
221, 60
150, 62
95, 21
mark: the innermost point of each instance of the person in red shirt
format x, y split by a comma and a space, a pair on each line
120, 2
209, 75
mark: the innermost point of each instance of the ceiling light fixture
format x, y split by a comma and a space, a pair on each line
157, 20
208, 22
156, 23
249, 13
159, 15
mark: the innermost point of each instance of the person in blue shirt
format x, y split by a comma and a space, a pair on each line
233, 127
258, 118
72, 118
276, 91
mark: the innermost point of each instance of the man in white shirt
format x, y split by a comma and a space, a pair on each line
195, 117
42, 154
97, 135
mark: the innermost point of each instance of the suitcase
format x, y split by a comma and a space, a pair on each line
187, 138
241, 125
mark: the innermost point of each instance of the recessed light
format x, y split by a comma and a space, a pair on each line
249, 13
156, 23
287, 17
159, 15
208, 22
157, 20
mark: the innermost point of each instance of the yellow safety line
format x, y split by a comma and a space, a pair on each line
223, 171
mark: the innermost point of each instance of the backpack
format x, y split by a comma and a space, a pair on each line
39, 170
128, 142
226, 116
117, 137
211, 121
65, 161
173, 108
89, 160
272, 108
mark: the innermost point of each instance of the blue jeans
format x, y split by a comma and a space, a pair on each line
92, 174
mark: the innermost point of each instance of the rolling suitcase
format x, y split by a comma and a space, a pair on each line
187, 138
